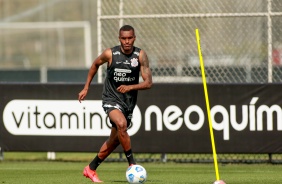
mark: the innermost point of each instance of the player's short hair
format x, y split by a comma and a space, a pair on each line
126, 28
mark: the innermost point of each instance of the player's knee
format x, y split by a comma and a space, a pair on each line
122, 126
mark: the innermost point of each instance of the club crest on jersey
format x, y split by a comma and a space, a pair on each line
134, 62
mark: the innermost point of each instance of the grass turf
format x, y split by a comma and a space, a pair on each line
47, 172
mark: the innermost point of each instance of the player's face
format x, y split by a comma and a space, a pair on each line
127, 39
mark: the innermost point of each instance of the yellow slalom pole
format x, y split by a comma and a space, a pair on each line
207, 104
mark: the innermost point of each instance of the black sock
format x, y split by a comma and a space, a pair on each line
129, 157
95, 163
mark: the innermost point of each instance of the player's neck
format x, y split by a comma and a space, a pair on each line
127, 52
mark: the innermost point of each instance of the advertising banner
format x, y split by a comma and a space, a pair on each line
168, 118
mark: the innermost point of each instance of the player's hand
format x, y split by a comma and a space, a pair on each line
82, 94
123, 89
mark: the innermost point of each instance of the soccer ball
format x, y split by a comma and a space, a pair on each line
219, 182
136, 174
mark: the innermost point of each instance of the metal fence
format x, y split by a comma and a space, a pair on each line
241, 40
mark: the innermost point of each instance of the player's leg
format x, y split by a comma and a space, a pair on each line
106, 149
110, 145
118, 118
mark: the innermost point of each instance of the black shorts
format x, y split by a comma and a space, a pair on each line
109, 106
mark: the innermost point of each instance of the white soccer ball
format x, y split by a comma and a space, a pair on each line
136, 174
219, 182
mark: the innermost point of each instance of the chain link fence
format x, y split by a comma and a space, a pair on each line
240, 39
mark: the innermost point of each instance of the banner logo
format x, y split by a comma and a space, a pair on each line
61, 118
71, 118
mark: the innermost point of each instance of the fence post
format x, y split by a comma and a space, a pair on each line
270, 157
163, 157
1, 154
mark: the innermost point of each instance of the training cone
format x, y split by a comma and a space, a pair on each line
219, 182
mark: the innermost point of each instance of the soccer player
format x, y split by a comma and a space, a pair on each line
125, 62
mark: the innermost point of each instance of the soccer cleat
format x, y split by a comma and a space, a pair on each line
88, 173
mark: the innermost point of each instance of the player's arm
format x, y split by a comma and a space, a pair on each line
145, 73
106, 56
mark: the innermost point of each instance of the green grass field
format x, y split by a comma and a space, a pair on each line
34, 168
46, 172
